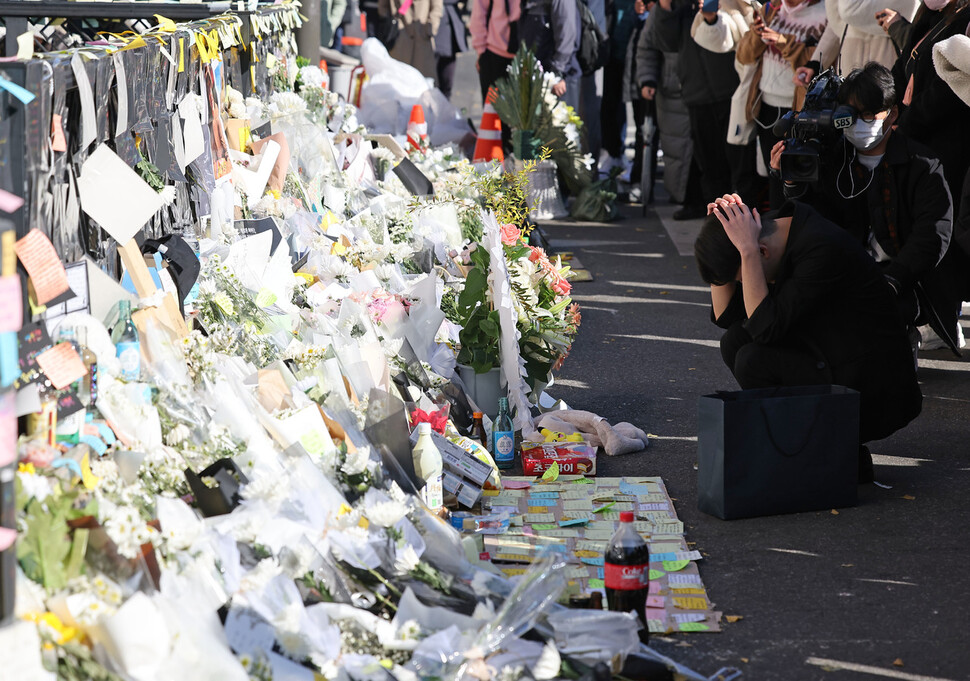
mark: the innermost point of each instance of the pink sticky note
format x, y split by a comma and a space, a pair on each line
516, 484
62, 365
43, 265
656, 614
58, 143
654, 588
655, 601
9, 202
11, 306
8, 429
7, 538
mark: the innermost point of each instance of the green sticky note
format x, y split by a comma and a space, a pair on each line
675, 565
603, 508
313, 443
656, 574
693, 626
584, 481
265, 297
574, 521
544, 526
595, 583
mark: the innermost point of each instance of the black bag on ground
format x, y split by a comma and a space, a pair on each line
594, 44
777, 450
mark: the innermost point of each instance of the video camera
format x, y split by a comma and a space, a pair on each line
819, 123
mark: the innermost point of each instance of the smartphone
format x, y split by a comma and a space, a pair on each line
709, 6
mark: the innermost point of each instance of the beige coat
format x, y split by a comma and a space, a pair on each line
865, 41
415, 43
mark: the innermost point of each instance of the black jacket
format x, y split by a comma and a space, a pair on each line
706, 76
907, 205
936, 117
830, 296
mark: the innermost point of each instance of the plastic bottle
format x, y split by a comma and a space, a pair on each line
427, 465
125, 337
89, 384
503, 436
478, 429
626, 571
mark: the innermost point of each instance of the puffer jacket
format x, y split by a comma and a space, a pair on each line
660, 70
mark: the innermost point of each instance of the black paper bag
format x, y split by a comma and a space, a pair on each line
777, 450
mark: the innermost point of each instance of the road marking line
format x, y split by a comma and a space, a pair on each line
943, 365
686, 438
631, 299
885, 581
797, 552
691, 341
631, 255
867, 669
671, 287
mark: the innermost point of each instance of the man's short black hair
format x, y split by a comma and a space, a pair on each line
872, 88
717, 258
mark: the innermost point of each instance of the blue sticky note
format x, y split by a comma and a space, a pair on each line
25, 96
574, 521
558, 548
94, 443
9, 359
600, 573
70, 463
541, 502
630, 488
107, 434
660, 557
593, 561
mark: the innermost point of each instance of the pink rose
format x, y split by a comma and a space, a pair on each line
510, 234
561, 286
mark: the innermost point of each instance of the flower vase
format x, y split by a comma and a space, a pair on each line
543, 197
525, 145
483, 389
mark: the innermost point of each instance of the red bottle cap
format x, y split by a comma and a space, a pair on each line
626, 516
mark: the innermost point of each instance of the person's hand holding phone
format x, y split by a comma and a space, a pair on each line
886, 18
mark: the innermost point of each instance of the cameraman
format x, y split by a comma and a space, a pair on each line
890, 193
803, 304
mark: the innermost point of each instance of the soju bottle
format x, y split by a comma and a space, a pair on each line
503, 436
128, 348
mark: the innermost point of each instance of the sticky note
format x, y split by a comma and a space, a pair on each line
8, 204
596, 583
7, 538
656, 574
655, 601
506, 484
89, 479
11, 306
544, 495
95, 443
25, 96
690, 602
42, 263
62, 365
552, 473
540, 518
584, 481
693, 626
587, 554
544, 526
603, 508
9, 359
631, 488
544, 503
675, 565
25, 45
572, 522
593, 561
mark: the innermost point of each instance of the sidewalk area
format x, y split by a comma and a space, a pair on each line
875, 591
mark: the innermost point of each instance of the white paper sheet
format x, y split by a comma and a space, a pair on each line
115, 196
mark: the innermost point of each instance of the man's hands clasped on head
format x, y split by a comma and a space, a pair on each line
741, 224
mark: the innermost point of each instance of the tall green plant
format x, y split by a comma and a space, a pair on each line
520, 93
480, 332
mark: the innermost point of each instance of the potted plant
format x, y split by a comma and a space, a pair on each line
478, 357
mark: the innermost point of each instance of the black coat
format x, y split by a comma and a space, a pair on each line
830, 296
451, 36
706, 76
909, 190
936, 117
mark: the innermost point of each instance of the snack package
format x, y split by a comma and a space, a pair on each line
574, 458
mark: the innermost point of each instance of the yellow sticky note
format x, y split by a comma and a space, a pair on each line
552, 473
89, 479
181, 54
329, 219
8, 265
25, 45
690, 603
338, 248
165, 25
203, 52
134, 44
265, 297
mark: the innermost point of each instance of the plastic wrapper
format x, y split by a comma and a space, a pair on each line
103, 81
595, 636
597, 202
391, 90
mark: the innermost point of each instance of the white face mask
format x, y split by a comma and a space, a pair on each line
864, 136
936, 5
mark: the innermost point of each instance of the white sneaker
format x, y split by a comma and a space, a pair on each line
932, 341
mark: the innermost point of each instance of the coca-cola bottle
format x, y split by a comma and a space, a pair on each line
626, 571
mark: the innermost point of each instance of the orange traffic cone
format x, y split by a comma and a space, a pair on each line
417, 129
489, 144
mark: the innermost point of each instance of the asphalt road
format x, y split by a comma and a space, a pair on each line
878, 590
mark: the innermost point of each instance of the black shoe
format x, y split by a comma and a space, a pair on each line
690, 213
865, 466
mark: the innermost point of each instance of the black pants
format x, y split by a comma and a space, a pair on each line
708, 132
639, 116
756, 365
445, 67
491, 67
613, 110
768, 116
744, 175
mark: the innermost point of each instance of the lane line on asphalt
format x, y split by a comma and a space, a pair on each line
904, 461
691, 341
867, 669
685, 438
630, 255
943, 364
797, 552
568, 383
625, 299
885, 581
585, 308
670, 287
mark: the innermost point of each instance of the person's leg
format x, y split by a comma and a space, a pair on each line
768, 366
708, 128
613, 109
639, 115
589, 111
767, 117
445, 67
735, 338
